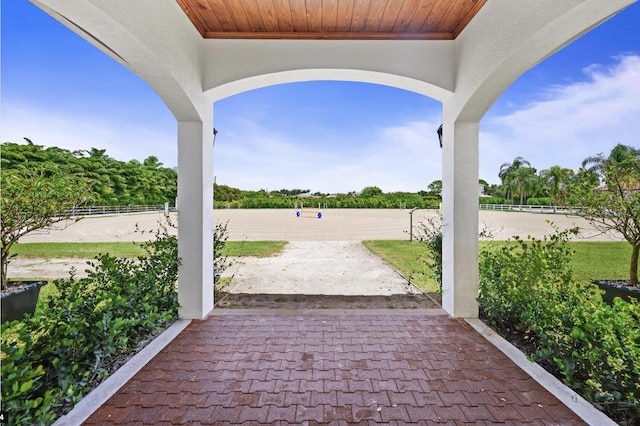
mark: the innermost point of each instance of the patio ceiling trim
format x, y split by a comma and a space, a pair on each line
331, 19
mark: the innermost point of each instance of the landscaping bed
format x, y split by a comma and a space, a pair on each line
85, 331
528, 294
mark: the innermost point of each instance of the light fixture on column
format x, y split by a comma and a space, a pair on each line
215, 132
439, 132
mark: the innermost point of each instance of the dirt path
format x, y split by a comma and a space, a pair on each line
46, 268
319, 267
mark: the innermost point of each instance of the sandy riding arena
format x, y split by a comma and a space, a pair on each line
335, 225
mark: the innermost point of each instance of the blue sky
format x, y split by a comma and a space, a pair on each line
58, 90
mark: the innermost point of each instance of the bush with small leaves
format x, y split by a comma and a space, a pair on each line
49, 362
430, 234
220, 261
528, 294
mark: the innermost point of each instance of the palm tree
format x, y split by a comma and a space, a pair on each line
524, 179
556, 179
621, 157
506, 174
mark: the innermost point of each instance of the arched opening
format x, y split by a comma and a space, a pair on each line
314, 131
471, 70
334, 139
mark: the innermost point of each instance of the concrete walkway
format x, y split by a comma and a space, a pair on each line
328, 367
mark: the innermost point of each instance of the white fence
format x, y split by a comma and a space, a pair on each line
531, 209
110, 210
103, 210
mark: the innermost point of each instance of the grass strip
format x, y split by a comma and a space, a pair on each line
253, 248
130, 249
76, 250
408, 258
600, 260
591, 261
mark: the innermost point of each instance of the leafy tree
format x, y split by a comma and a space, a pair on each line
111, 181
435, 188
152, 162
371, 191
614, 202
225, 193
33, 200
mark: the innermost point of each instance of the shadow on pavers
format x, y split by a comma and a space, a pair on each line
328, 301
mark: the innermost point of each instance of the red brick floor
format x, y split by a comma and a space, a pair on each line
311, 367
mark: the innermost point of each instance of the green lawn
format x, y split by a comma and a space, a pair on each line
601, 260
592, 260
407, 258
129, 249
253, 248
77, 250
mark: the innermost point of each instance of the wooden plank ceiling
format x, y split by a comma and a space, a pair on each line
331, 19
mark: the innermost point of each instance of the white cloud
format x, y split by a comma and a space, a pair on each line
401, 158
569, 122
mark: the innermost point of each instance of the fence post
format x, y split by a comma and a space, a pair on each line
411, 223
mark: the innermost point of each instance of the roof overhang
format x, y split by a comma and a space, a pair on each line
331, 19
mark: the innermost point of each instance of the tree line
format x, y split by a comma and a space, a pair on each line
107, 181
115, 182
371, 197
521, 183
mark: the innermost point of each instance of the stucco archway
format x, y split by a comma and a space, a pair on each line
324, 74
156, 40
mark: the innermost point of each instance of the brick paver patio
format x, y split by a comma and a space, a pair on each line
315, 366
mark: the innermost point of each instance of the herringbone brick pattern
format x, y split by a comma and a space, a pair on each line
311, 367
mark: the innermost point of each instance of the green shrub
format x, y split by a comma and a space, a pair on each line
385, 201
544, 201
430, 234
50, 361
220, 261
527, 292
493, 200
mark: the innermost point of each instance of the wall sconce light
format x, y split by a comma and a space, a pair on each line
215, 132
439, 132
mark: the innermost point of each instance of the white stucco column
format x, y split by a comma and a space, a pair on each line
460, 218
195, 218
